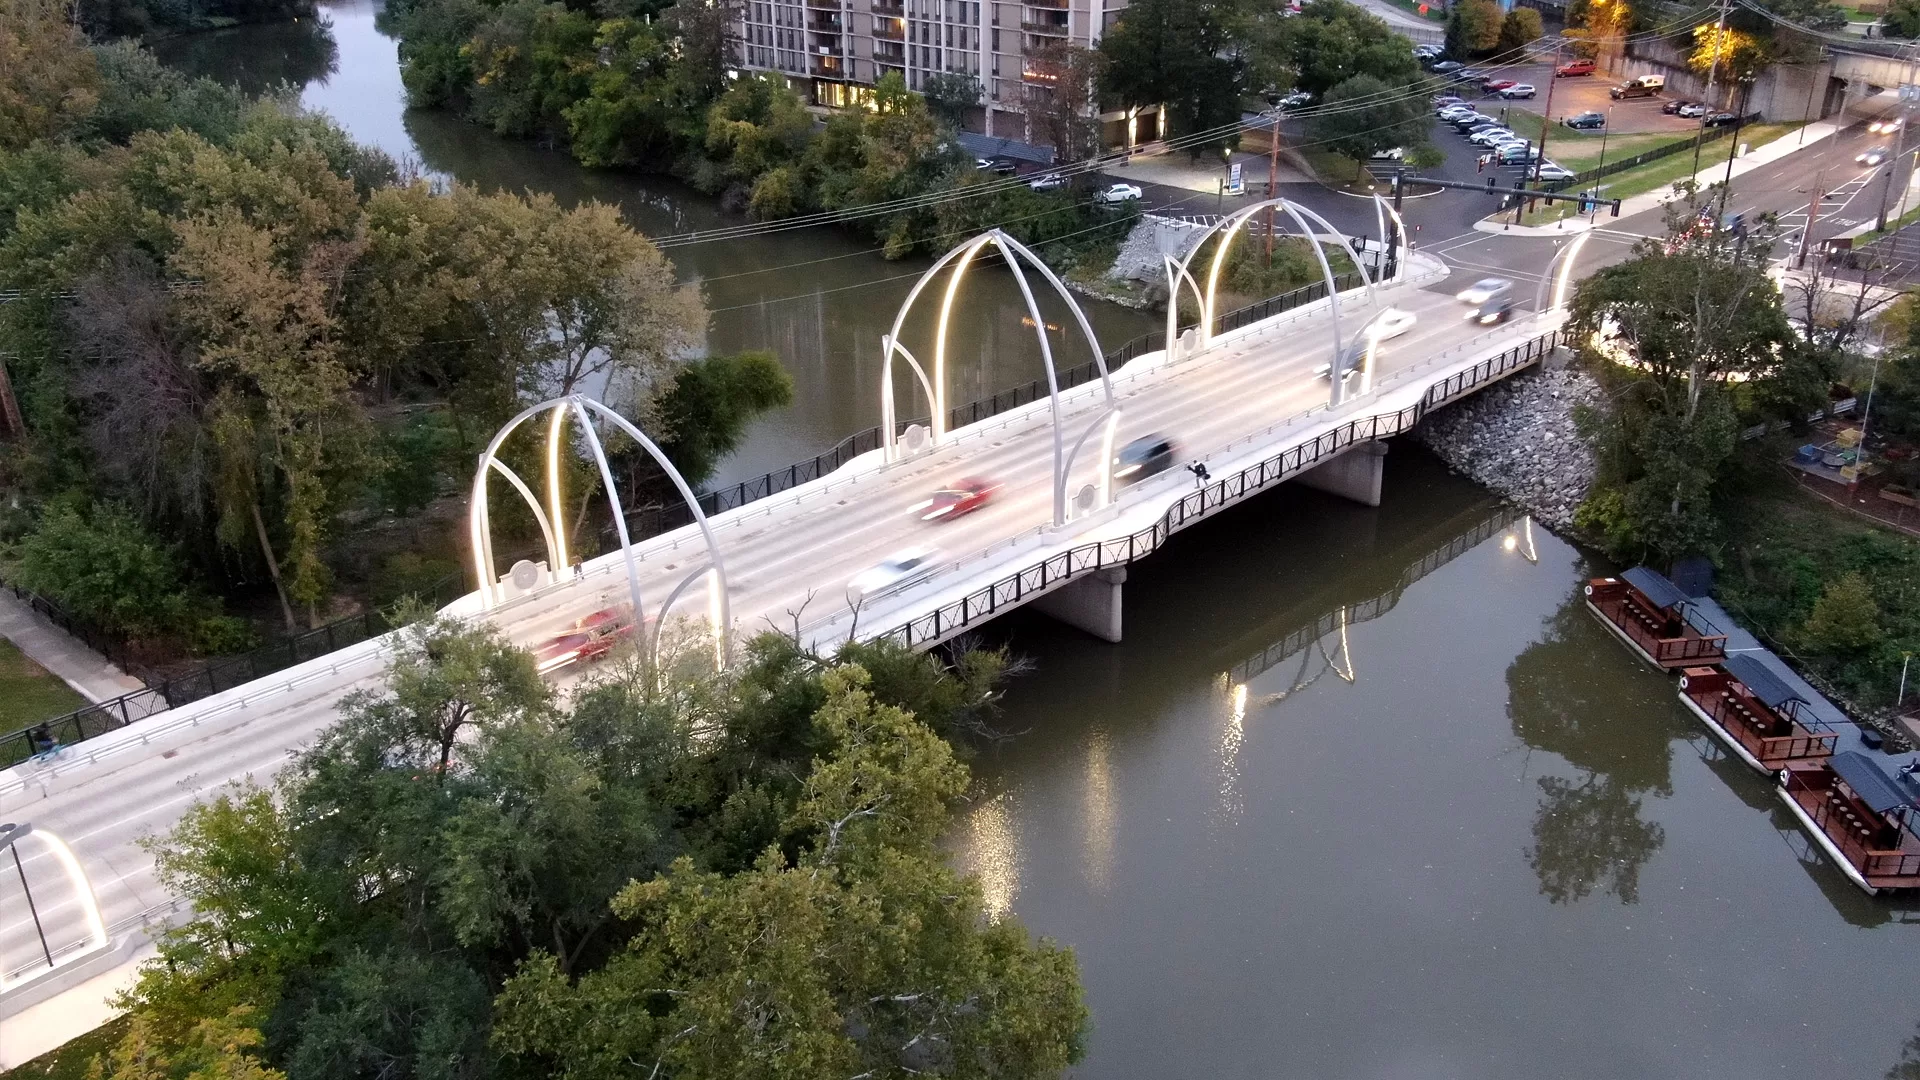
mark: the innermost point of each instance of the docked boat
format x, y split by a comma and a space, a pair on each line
1651, 615
1756, 714
1861, 813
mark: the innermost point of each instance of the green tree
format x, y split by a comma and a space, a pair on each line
1473, 28
99, 563
1362, 116
1329, 42
757, 125
1181, 55
1902, 19
1520, 27
1063, 104
951, 96
224, 1047
47, 77
1845, 618
706, 411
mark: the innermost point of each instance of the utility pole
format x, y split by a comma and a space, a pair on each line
1899, 151
1546, 119
1813, 217
1719, 42
1273, 180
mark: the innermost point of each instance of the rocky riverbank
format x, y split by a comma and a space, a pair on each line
1518, 439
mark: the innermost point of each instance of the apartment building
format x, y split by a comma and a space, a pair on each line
835, 50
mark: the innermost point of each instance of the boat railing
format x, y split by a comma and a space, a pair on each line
1871, 861
1769, 749
1614, 599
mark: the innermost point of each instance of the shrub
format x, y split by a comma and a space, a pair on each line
223, 635
99, 563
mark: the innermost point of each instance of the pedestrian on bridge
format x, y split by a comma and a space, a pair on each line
1200, 474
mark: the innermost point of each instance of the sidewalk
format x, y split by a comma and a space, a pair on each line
1784, 146
1179, 170
86, 671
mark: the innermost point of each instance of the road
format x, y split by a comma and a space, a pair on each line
785, 555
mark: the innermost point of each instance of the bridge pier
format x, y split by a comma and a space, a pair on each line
1091, 603
1353, 475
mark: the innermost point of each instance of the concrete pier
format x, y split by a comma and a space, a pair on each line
1353, 475
1092, 603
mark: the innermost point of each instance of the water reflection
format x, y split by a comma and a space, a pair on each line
1564, 697
1101, 812
258, 58
992, 853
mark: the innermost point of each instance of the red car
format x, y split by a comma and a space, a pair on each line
1494, 86
962, 498
590, 638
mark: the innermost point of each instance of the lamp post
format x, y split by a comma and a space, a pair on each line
1594, 214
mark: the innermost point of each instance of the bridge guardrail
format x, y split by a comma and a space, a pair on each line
1012, 590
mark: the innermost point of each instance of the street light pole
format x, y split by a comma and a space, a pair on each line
1594, 215
1546, 118
1719, 42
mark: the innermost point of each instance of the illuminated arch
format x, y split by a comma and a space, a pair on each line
553, 527
1229, 228
1176, 274
10, 836
1384, 212
935, 387
1562, 278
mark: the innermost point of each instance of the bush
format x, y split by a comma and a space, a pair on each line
1844, 619
410, 574
223, 635
99, 563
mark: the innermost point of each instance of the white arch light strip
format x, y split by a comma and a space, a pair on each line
583, 408
935, 387
82, 890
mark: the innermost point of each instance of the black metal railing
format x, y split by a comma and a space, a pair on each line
1013, 590
1634, 161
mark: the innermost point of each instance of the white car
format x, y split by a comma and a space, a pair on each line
893, 573
1489, 136
982, 164
1052, 182
1550, 171
1483, 290
1518, 90
1884, 127
1451, 112
1872, 156
1692, 109
1118, 193
1390, 324
1392, 154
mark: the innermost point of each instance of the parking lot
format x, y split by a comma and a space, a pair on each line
1585, 93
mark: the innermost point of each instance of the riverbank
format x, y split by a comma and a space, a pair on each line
1518, 439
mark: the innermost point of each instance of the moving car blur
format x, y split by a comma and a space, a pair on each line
1483, 290
893, 573
1143, 457
964, 497
1497, 309
588, 639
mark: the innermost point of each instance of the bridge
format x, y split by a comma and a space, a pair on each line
1246, 403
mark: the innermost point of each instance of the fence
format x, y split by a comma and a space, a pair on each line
1013, 590
1664, 150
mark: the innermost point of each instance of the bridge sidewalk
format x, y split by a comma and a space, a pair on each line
89, 673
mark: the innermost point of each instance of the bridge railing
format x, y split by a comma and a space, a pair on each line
1012, 590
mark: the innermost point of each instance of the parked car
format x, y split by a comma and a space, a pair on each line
1049, 182
1467, 74
1143, 457
1552, 171
1518, 92
1492, 86
1885, 127
1487, 136
1517, 153
1468, 121
1448, 112
1441, 101
1445, 67
1586, 121
1394, 153
1873, 155
1635, 89
1719, 119
1116, 194
1005, 166
1693, 108
1577, 67
1674, 106
1296, 100
982, 164
893, 573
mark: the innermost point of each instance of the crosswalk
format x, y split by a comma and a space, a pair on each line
1836, 212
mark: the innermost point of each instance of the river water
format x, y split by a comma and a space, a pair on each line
1365, 793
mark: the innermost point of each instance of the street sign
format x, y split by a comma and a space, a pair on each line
1909, 92
1236, 184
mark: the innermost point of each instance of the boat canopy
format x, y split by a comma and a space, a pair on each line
1761, 680
1882, 792
1655, 586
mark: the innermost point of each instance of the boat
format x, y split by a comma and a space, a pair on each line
1762, 720
1862, 814
1653, 617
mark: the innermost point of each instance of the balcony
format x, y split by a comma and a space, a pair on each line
889, 29
824, 24
1051, 29
827, 67
1051, 5
885, 55
824, 5
896, 9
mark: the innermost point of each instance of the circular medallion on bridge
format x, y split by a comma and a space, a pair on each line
915, 438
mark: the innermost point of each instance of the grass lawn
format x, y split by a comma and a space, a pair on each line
1339, 171
1580, 150
70, 1061
1664, 173
29, 692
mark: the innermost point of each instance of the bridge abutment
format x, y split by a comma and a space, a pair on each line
1091, 603
1353, 475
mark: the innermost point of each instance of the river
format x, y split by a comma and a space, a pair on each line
1365, 793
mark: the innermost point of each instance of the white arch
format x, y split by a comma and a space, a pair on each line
11, 835
1383, 211
1563, 278
1229, 227
935, 387
480, 531
1177, 273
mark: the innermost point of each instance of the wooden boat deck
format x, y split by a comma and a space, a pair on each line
1771, 740
1882, 854
1661, 636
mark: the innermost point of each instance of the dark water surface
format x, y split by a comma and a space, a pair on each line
1365, 793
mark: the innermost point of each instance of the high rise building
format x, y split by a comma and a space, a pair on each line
835, 50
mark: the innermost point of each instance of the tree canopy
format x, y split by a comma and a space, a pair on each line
1184, 56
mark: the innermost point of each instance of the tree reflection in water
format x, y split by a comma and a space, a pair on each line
257, 58
1908, 1067
1570, 694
